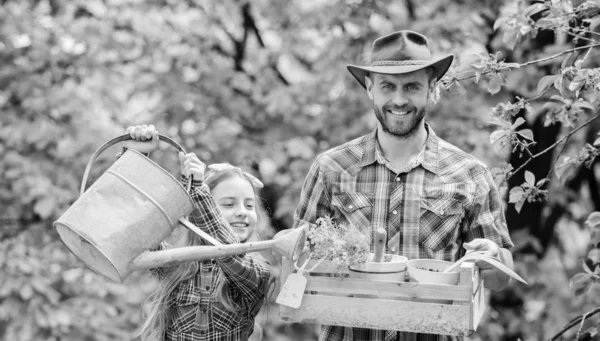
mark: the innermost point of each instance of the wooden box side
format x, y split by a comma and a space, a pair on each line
433, 318
404, 306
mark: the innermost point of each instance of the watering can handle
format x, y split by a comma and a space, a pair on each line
114, 141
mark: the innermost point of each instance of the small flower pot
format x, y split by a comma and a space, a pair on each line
431, 271
392, 268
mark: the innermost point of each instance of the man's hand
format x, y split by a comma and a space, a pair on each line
192, 166
480, 244
494, 279
145, 138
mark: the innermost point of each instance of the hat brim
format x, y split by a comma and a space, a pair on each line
440, 67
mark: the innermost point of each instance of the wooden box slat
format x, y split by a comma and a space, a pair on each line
389, 289
381, 314
404, 306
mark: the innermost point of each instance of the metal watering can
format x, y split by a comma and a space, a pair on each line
134, 206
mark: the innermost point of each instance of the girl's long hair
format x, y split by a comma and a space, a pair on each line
160, 314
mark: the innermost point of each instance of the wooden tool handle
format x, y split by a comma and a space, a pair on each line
380, 237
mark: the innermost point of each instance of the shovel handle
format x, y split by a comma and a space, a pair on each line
115, 141
380, 236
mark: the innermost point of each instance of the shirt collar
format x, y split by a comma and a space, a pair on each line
428, 157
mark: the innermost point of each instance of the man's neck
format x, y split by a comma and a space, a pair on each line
399, 150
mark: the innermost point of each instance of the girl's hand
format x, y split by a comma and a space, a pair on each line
192, 166
144, 138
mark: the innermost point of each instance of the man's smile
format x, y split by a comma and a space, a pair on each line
398, 113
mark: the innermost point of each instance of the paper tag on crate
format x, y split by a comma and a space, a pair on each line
292, 291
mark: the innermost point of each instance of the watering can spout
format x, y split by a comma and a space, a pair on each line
288, 244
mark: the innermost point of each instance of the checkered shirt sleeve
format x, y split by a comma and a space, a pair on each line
485, 218
315, 199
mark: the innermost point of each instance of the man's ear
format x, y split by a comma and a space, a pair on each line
369, 86
432, 92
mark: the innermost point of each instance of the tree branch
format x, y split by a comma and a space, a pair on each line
557, 157
533, 61
573, 323
552, 146
410, 7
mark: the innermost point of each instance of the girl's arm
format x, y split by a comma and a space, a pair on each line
250, 276
206, 214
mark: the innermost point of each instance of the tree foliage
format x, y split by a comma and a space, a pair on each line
262, 84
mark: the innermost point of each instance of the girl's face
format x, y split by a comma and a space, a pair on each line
235, 198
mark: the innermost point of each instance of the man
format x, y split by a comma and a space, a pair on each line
434, 200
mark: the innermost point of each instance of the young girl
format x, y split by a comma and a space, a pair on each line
215, 299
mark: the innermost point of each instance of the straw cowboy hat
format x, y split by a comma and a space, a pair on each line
401, 52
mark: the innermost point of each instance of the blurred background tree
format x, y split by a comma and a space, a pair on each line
263, 84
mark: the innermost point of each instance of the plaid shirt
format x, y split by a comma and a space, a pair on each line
196, 308
444, 197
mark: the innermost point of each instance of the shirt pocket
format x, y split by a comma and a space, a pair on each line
223, 319
185, 309
440, 221
353, 207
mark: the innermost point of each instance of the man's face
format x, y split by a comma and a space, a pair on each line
399, 101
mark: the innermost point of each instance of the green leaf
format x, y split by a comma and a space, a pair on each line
577, 83
499, 139
495, 84
594, 256
541, 183
530, 178
518, 122
564, 167
45, 207
595, 237
545, 83
546, 23
500, 122
525, 29
535, 9
526, 133
593, 220
516, 193
499, 22
519, 204
593, 22
580, 283
585, 105
511, 37
26, 292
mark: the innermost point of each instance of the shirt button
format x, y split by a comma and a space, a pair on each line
202, 332
394, 212
442, 212
350, 207
398, 179
207, 288
203, 311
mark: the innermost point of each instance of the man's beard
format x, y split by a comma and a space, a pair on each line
404, 131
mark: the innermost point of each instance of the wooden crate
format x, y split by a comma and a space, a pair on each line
402, 306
